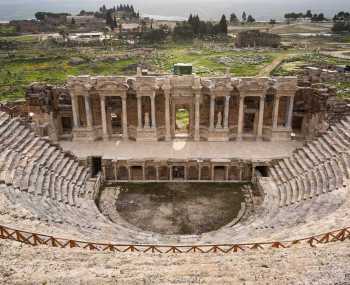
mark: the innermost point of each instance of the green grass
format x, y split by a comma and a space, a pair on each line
343, 89
205, 62
19, 71
7, 30
182, 118
292, 66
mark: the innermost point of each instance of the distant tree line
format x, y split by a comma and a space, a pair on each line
308, 15
194, 27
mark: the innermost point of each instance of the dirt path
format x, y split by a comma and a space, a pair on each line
268, 69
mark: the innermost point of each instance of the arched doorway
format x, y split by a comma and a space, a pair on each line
182, 122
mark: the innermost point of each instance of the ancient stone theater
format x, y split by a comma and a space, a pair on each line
172, 164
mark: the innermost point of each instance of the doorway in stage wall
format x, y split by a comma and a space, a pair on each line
182, 122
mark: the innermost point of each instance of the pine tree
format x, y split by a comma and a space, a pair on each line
223, 25
250, 19
233, 19
244, 17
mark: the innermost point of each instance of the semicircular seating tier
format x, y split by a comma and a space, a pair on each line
45, 190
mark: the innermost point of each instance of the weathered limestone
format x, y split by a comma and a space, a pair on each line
148, 106
324, 167
33, 165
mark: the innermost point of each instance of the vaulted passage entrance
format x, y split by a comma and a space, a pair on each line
182, 122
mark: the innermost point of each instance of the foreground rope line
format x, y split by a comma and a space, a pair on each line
35, 239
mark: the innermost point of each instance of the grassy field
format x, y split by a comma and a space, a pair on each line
51, 65
293, 65
32, 61
24, 59
343, 89
213, 61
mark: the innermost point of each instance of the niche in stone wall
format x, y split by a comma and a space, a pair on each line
136, 172
193, 172
163, 173
151, 173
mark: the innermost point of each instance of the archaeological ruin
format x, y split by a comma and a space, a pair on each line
256, 39
176, 164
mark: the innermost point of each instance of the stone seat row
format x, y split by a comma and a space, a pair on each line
34, 165
319, 167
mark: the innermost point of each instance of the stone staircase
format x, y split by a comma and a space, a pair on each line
43, 190
320, 167
33, 165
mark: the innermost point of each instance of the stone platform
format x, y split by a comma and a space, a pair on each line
182, 150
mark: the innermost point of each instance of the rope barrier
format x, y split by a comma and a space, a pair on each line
35, 239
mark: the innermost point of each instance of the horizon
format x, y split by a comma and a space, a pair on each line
207, 9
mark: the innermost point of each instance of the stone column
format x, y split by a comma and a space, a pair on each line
75, 111
167, 115
275, 112
143, 172
157, 173
153, 111
125, 118
170, 172
226, 172
227, 107
104, 118
197, 118
212, 111
240, 118
261, 117
88, 111
115, 170
290, 112
139, 112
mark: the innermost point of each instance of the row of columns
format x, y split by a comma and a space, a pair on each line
89, 116
171, 169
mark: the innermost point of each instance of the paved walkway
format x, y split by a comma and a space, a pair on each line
181, 149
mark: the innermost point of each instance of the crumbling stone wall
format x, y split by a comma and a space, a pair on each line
255, 38
317, 75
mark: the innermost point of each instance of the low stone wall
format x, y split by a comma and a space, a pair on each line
315, 75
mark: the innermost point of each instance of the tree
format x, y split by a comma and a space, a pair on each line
273, 22
73, 22
114, 25
244, 17
250, 19
233, 19
154, 35
308, 14
109, 19
223, 25
183, 31
341, 26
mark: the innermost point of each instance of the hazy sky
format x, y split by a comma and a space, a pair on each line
209, 9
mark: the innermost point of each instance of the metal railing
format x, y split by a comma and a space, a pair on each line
35, 239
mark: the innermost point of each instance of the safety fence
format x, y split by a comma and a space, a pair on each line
40, 239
